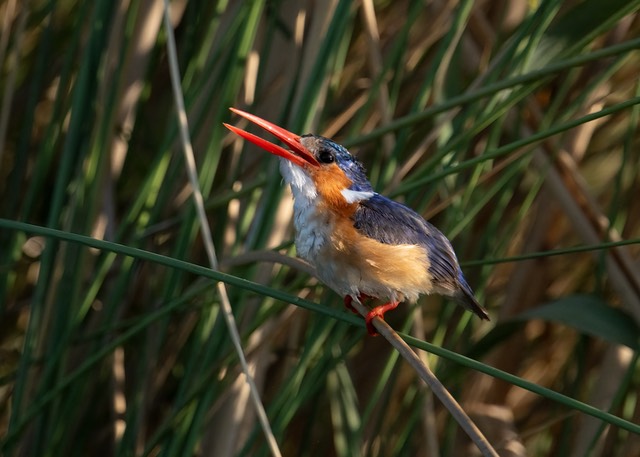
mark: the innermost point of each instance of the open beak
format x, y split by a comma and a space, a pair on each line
298, 155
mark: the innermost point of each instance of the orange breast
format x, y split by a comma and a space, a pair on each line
352, 263
330, 181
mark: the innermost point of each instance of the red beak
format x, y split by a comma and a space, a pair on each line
298, 155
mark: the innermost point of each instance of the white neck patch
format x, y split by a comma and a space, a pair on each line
353, 196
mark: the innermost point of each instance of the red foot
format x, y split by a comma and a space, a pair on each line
379, 312
348, 299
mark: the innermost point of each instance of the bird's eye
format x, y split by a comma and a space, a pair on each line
326, 157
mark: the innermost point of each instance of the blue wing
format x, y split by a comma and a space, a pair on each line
390, 222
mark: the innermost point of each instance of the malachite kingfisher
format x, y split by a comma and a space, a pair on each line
362, 244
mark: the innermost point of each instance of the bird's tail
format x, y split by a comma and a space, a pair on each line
464, 296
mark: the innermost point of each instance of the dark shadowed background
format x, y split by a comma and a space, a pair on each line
511, 125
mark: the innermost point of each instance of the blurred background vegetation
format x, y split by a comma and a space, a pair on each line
512, 125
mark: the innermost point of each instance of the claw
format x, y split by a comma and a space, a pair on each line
348, 299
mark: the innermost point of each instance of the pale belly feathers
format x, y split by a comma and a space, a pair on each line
348, 262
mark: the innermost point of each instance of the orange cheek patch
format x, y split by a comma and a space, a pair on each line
330, 181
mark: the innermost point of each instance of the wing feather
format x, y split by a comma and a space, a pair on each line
390, 222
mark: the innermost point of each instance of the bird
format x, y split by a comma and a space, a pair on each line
362, 244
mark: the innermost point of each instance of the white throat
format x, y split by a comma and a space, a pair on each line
311, 230
302, 185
